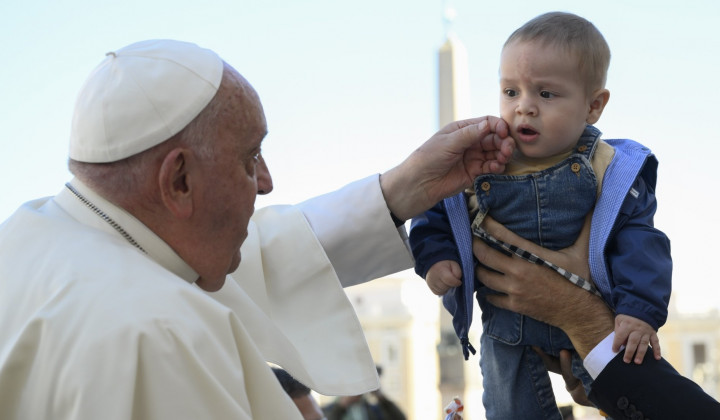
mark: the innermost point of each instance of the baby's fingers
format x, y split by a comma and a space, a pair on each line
450, 282
630, 349
618, 341
438, 288
655, 343
642, 349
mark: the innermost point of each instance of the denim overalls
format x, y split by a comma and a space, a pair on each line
549, 208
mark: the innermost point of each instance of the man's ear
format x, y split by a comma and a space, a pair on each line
175, 183
598, 100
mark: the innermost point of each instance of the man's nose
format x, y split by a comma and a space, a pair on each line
264, 180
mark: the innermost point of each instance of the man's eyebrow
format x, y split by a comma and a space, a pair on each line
256, 145
254, 150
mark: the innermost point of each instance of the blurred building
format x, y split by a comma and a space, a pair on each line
691, 343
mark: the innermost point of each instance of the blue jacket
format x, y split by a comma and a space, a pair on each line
629, 259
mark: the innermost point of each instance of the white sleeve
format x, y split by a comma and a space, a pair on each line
289, 297
600, 356
354, 226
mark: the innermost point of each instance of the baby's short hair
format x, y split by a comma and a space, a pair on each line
575, 34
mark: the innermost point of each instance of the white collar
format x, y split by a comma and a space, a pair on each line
91, 209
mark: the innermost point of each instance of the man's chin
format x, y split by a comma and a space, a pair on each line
211, 285
235, 263
215, 284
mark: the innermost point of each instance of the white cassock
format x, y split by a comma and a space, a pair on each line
100, 319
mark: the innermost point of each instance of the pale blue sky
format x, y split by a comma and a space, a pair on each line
349, 89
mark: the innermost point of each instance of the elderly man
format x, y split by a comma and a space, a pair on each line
114, 297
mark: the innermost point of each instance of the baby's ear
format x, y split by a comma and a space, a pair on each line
598, 100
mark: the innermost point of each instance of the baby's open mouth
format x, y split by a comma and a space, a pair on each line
527, 131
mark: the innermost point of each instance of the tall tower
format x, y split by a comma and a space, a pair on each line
457, 376
453, 77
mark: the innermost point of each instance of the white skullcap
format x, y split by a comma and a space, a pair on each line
140, 96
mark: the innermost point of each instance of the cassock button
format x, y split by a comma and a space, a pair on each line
623, 403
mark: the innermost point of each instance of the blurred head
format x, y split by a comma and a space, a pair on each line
195, 188
300, 394
552, 82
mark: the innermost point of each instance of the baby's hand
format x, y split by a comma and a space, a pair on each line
635, 334
442, 276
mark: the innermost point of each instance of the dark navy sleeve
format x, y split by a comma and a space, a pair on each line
651, 390
638, 256
431, 239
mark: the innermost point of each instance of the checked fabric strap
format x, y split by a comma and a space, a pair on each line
530, 257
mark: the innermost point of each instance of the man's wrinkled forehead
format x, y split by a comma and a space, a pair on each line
242, 108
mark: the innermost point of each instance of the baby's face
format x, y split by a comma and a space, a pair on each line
543, 98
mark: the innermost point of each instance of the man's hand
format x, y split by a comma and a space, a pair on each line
636, 335
446, 164
540, 292
443, 276
563, 366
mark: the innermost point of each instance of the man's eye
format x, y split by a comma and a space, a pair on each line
510, 93
546, 95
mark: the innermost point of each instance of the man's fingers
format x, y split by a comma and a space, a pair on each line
486, 255
566, 369
563, 366
485, 125
500, 301
467, 133
573, 385
461, 124
551, 363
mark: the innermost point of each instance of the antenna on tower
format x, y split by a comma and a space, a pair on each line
449, 14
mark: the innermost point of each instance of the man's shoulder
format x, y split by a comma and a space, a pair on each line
87, 281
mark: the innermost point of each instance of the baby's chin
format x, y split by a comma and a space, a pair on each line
530, 153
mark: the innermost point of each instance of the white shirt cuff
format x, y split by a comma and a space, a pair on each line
600, 356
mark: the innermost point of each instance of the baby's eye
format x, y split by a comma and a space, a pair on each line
547, 95
510, 93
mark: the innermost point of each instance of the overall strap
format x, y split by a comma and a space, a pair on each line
588, 141
456, 208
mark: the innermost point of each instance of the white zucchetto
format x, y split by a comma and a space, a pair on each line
140, 96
